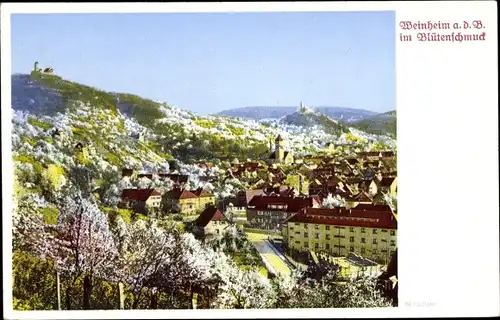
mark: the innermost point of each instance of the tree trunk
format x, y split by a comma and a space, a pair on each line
58, 284
68, 298
136, 301
121, 296
87, 292
154, 300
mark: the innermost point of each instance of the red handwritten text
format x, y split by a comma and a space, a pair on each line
429, 25
423, 31
452, 37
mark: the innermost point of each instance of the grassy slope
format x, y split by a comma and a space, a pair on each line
146, 112
380, 124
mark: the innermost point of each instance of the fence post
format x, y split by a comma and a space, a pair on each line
121, 296
58, 284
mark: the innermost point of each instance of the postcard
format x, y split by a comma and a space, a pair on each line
250, 160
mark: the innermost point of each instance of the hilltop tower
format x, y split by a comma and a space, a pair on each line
279, 149
35, 66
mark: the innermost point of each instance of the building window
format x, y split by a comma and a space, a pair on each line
306, 244
327, 246
297, 242
316, 246
393, 243
374, 241
351, 229
393, 233
362, 250
306, 235
297, 232
317, 236
305, 225
327, 227
297, 224
362, 230
384, 230
327, 237
363, 240
217, 230
374, 231
351, 248
384, 251
351, 239
316, 226
374, 251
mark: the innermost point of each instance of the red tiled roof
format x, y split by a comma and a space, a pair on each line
369, 154
127, 172
386, 182
210, 213
250, 165
178, 193
361, 197
205, 165
373, 207
201, 193
346, 217
145, 175
139, 194
294, 204
244, 197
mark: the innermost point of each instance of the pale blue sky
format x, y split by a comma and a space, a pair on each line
209, 62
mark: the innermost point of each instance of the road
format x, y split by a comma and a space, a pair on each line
266, 251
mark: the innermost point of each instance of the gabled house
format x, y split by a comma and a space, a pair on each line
316, 187
360, 198
127, 173
297, 182
389, 185
211, 222
141, 200
205, 198
179, 200
369, 186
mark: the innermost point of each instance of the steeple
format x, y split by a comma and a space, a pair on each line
279, 149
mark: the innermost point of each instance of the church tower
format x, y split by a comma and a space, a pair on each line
279, 149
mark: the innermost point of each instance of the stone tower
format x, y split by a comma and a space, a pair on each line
279, 149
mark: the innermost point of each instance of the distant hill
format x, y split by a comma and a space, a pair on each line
347, 115
313, 118
384, 123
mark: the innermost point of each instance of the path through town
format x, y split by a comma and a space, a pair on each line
259, 241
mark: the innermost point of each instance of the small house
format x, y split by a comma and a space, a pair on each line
211, 222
